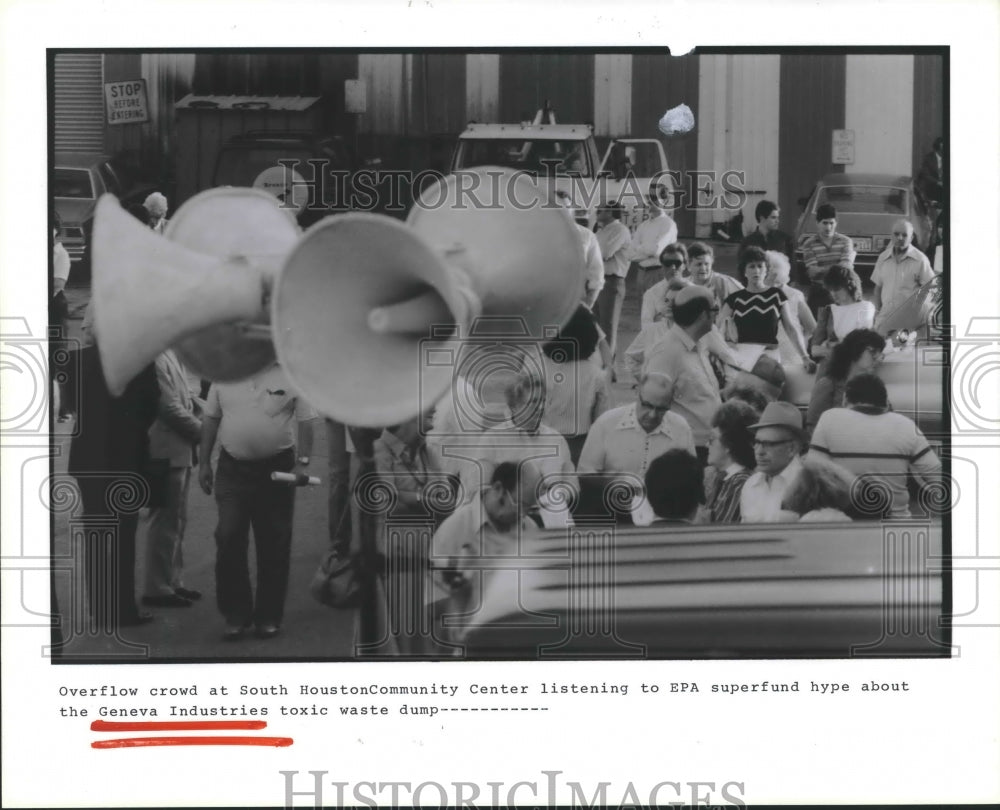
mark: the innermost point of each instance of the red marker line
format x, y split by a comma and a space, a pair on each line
180, 725
145, 742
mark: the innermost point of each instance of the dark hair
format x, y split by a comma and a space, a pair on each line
938, 143
753, 397
675, 485
507, 474
696, 249
750, 255
820, 484
687, 313
764, 209
614, 207
866, 389
733, 419
825, 211
850, 349
577, 340
842, 277
674, 248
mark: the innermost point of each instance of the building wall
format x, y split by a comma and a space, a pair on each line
879, 109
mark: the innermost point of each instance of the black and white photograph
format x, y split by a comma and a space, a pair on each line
520, 354
418, 394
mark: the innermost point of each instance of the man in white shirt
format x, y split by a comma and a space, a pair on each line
899, 272
614, 240
593, 266
653, 234
778, 443
254, 421
626, 439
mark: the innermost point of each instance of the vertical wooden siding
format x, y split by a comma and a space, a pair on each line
659, 82
879, 108
565, 79
928, 104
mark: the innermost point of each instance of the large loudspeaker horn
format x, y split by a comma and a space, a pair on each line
369, 314
213, 271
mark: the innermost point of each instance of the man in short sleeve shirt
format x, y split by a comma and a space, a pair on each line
254, 422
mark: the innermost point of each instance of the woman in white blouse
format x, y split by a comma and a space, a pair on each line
778, 274
847, 312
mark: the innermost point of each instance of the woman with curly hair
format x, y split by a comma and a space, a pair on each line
820, 493
779, 272
847, 312
860, 351
730, 460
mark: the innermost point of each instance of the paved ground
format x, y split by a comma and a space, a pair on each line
311, 631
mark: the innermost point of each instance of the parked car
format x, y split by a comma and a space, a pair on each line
251, 159
78, 181
867, 206
564, 157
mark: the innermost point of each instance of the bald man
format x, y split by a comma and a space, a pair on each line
626, 439
899, 272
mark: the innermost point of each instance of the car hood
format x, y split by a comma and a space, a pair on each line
74, 211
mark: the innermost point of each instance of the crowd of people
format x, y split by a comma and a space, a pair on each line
705, 439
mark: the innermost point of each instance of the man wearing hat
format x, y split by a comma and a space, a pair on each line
778, 442
681, 358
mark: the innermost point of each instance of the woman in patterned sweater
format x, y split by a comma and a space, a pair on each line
750, 317
730, 460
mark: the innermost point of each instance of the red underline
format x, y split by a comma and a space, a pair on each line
180, 725
145, 742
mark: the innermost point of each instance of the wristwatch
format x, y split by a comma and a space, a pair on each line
304, 461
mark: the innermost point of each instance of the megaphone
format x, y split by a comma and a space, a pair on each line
370, 315
367, 314
200, 286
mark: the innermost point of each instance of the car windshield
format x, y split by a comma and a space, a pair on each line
241, 167
74, 184
865, 199
559, 158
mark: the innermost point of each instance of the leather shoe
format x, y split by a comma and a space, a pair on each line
166, 600
234, 632
268, 630
136, 619
187, 593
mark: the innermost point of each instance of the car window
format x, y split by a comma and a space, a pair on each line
241, 167
561, 158
110, 179
75, 184
865, 199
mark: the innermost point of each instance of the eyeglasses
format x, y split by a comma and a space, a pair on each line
661, 409
766, 445
672, 262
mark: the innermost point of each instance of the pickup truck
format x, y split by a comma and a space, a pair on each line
564, 157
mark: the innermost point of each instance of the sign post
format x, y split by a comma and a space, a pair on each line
126, 102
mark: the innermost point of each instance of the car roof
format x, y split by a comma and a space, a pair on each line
865, 179
79, 160
551, 132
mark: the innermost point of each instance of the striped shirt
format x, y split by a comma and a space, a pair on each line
819, 256
757, 315
726, 501
882, 447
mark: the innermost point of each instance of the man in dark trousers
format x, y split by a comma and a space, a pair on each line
109, 457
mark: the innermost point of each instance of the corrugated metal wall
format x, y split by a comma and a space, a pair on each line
612, 94
527, 80
812, 106
78, 81
739, 103
880, 111
482, 87
928, 104
659, 82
